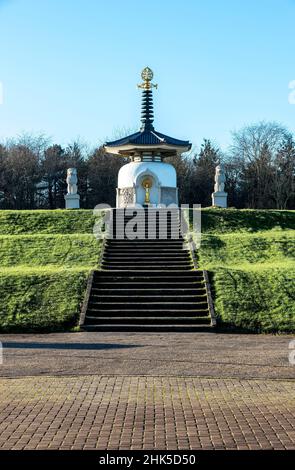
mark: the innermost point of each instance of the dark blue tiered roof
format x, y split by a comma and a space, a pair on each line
148, 137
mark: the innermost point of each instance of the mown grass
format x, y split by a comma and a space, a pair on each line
252, 270
41, 299
46, 221
44, 250
243, 248
45, 259
260, 299
217, 221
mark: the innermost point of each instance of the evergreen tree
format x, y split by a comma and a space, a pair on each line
205, 163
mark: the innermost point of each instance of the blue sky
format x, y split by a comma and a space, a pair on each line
69, 68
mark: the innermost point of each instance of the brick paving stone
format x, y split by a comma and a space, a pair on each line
145, 412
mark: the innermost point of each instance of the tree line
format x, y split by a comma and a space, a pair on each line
259, 167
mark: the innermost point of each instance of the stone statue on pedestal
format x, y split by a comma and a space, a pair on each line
72, 180
72, 198
219, 197
219, 179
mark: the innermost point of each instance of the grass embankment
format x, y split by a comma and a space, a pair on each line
45, 259
252, 269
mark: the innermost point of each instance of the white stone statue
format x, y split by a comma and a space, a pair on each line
72, 198
219, 197
219, 179
72, 180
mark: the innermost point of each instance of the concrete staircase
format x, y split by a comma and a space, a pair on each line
147, 284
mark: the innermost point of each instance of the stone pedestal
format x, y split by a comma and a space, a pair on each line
219, 199
72, 201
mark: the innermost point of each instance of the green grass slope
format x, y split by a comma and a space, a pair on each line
46, 221
252, 270
259, 298
43, 250
247, 249
46, 256
217, 221
45, 259
41, 299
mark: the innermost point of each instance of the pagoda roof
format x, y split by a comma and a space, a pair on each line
148, 137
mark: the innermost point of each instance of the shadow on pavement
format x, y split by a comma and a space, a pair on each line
86, 346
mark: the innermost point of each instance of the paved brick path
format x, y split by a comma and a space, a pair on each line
135, 412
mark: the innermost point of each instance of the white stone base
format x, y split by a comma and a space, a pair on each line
72, 201
219, 199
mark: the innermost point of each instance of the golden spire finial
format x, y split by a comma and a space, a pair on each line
147, 76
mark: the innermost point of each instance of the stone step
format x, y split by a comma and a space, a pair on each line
148, 320
163, 275
132, 243
146, 237
135, 258
174, 250
146, 298
162, 305
149, 213
178, 258
145, 226
129, 291
141, 224
147, 255
141, 263
143, 252
146, 229
145, 259
157, 328
146, 249
141, 221
145, 242
147, 216
152, 210
97, 312
150, 222
149, 285
128, 211
147, 246
143, 268
152, 236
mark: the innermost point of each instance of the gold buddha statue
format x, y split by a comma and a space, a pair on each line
147, 194
147, 184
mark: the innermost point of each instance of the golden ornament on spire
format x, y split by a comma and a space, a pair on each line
147, 76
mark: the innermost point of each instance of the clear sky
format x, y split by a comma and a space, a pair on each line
69, 68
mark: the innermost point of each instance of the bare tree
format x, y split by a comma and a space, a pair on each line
256, 148
283, 178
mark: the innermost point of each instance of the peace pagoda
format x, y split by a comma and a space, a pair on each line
147, 179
